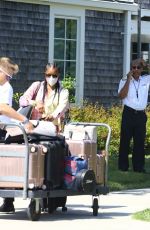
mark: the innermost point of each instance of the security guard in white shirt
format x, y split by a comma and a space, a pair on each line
134, 94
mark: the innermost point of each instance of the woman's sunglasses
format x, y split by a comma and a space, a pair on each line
51, 75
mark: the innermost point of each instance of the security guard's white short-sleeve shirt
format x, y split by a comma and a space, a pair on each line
140, 88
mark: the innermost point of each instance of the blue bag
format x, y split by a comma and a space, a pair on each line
74, 164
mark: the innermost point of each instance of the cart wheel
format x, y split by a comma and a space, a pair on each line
95, 207
32, 213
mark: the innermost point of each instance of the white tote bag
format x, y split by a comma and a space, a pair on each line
46, 128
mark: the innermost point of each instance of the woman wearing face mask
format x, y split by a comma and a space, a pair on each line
51, 99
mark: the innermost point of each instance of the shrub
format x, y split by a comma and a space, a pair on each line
16, 97
69, 83
96, 113
93, 112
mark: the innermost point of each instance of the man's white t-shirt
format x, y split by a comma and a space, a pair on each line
6, 95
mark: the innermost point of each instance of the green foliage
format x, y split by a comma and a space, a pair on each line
118, 180
69, 83
93, 112
96, 113
112, 116
142, 215
16, 97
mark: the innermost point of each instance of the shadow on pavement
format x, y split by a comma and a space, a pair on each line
134, 192
74, 212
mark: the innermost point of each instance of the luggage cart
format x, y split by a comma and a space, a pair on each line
36, 195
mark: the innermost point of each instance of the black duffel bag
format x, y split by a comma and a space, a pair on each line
83, 181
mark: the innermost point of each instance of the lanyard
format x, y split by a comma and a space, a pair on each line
136, 88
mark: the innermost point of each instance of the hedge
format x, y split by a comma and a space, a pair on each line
96, 113
112, 116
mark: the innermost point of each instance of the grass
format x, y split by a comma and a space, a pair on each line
142, 215
118, 180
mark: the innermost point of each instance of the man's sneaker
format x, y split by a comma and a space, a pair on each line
8, 208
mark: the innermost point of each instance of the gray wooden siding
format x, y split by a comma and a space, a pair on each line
145, 4
103, 56
24, 38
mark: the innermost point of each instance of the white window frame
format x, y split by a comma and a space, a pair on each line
70, 39
71, 12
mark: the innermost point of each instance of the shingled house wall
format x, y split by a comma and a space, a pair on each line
103, 56
145, 4
24, 37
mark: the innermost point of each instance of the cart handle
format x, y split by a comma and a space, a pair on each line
27, 150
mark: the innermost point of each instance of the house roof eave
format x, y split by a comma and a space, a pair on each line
116, 5
112, 5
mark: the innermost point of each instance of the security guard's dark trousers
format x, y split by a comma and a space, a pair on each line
133, 126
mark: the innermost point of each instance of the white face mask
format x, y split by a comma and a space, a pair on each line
51, 80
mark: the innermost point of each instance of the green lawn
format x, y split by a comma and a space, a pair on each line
118, 180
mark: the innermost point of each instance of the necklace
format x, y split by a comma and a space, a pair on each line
136, 88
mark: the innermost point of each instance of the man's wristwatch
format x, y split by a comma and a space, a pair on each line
26, 121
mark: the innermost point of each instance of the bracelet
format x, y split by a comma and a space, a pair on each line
26, 121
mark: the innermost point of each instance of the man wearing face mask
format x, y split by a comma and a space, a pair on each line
51, 100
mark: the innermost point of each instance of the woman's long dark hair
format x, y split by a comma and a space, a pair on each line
57, 85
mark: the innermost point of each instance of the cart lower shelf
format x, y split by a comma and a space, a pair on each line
36, 196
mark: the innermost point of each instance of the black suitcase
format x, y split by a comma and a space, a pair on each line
54, 162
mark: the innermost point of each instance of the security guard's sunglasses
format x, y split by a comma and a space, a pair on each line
136, 67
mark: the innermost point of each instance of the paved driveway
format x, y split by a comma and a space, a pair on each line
114, 213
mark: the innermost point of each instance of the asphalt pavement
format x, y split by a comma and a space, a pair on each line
115, 213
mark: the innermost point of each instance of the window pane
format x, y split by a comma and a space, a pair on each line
59, 28
59, 47
71, 30
134, 56
134, 47
70, 68
60, 64
145, 46
65, 42
71, 50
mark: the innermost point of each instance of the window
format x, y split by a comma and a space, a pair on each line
145, 51
65, 45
